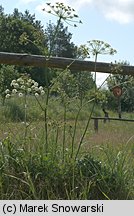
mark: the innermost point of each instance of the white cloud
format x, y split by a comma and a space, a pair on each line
26, 1
120, 11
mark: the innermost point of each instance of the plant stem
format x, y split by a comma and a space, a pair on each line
95, 67
64, 132
56, 141
25, 116
84, 133
46, 123
48, 88
74, 132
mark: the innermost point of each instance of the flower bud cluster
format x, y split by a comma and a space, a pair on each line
63, 12
24, 86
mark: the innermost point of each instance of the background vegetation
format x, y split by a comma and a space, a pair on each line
48, 147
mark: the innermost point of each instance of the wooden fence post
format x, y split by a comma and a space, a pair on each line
96, 125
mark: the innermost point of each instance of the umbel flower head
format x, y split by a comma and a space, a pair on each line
100, 47
65, 13
24, 86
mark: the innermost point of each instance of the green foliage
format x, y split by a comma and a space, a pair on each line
64, 84
15, 27
22, 33
45, 159
73, 84
100, 96
85, 83
37, 177
7, 74
126, 82
61, 43
13, 112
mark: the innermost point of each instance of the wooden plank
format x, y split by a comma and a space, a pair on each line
96, 122
58, 62
115, 119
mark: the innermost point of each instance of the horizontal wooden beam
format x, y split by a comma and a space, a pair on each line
59, 62
113, 119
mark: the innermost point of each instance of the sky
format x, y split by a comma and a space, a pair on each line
109, 20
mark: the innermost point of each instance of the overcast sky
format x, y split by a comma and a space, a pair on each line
109, 20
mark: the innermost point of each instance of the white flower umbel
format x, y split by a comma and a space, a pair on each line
36, 88
36, 94
8, 96
16, 85
7, 91
20, 94
41, 88
13, 82
36, 84
14, 91
24, 86
29, 90
42, 92
20, 80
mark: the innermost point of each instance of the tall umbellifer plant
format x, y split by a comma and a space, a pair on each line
68, 15
98, 47
95, 47
63, 13
23, 87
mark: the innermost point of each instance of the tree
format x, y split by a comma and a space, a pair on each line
15, 28
22, 33
7, 74
61, 43
1, 11
12, 30
126, 82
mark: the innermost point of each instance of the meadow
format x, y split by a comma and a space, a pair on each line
77, 163
48, 146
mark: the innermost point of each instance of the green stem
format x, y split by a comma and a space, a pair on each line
46, 122
48, 88
42, 108
74, 132
56, 141
25, 116
95, 67
64, 132
84, 133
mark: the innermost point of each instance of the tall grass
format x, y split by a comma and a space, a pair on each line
26, 175
43, 146
99, 171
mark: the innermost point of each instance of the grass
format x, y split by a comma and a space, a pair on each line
102, 170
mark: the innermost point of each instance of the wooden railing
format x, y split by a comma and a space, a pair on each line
96, 121
59, 62
63, 63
